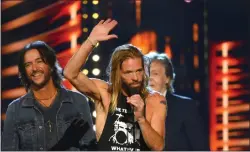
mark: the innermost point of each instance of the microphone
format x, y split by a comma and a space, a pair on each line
133, 91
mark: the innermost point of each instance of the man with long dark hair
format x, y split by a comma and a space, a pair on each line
48, 117
184, 127
129, 116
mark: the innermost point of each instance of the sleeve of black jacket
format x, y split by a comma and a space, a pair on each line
194, 128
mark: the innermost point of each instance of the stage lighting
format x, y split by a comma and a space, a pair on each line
188, 1
85, 2
95, 57
96, 71
85, 71
94, 114
85, 29
95, 15
85, 16
95, 2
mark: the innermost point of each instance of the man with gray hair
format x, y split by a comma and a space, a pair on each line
184, 128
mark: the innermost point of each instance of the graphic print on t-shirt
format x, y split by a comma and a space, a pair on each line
126, 133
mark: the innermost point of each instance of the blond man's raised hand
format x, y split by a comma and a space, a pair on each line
101, 31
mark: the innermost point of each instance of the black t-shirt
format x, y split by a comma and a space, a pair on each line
121, 132
49, 115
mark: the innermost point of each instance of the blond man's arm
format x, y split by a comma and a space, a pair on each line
90, 87
154, 131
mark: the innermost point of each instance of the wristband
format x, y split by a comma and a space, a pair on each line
94, 45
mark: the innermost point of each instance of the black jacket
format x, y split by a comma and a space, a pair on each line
184, 127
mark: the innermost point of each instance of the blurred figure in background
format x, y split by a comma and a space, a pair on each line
184, 127
48, 117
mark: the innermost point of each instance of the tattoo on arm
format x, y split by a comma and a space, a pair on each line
163, 102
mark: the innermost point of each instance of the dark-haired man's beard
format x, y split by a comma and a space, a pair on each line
45, 79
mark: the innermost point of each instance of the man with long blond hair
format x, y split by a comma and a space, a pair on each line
129, 116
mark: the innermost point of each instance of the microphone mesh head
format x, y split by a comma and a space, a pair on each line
133, 91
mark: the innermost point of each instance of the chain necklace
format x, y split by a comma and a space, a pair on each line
40, 100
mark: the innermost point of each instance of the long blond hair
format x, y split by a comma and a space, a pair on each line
120, 54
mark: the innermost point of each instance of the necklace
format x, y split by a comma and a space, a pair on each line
47, 98
40, 100
50, 125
